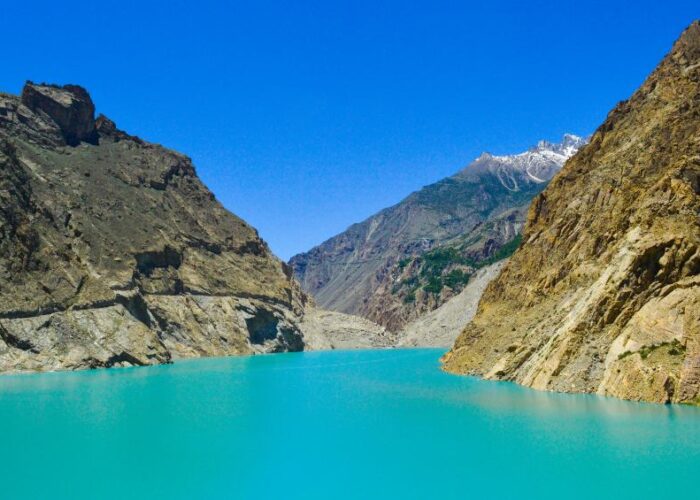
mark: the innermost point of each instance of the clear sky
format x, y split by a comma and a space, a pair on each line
304, 117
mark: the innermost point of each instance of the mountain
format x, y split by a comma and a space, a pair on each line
113, 252
441, 327
603, 295
410, 258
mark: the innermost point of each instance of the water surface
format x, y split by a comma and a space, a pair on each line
361, 424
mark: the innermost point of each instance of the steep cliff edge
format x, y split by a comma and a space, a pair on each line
604, 293
113, 252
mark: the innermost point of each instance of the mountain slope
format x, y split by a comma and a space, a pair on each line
604, 293
375, 268
441, 327
333, 330
113, 252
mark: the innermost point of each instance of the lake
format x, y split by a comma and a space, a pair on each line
342, 424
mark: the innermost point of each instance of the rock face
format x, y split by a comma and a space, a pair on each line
604, 293
411, 258
69, 107
113, 252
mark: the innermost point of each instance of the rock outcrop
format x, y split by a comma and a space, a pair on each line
112, 251
69, 107
411, 258
603, 295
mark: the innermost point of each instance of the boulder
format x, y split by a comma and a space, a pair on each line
69, 106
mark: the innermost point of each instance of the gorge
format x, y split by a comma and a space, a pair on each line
115, 254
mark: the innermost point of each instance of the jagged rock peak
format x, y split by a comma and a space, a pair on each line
538, 164
569, 144
69, 106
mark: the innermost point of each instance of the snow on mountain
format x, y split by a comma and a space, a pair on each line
538, 164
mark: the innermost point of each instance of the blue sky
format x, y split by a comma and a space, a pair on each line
304, 117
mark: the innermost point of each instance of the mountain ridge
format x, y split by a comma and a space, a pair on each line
355, 271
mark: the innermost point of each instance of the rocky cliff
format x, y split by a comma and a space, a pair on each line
113, 252
604, 293
411, 258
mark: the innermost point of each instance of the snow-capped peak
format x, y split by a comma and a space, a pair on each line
568, 146
538, 164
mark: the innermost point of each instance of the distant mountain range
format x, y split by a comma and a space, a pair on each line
412, 257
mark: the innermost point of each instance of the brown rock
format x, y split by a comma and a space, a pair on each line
69, 106
115, 253
604, 294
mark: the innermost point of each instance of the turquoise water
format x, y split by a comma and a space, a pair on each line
362, 424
